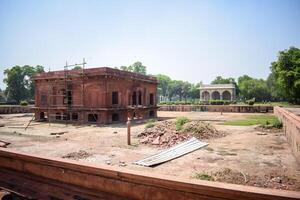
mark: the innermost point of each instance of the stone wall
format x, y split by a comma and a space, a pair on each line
217, 108
15, 109
291, 125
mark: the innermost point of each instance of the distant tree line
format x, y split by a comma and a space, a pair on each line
19, 82
283, 83
168, 88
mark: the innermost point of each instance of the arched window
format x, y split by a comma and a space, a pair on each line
215, 95
226, 95
205, 96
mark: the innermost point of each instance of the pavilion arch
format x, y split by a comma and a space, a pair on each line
226, 95
205, 96
215, 95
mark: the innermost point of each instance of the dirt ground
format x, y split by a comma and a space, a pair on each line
246, 155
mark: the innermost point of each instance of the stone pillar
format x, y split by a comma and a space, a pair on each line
201, 99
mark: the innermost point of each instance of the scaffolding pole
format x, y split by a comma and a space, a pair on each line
67, 85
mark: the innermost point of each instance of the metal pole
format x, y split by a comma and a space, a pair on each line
128, 131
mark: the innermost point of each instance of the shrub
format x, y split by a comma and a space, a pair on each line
226, 102
180, 121
203, 102
278, 124
24, 103
274, 124
251, 102
204, 176
216, 102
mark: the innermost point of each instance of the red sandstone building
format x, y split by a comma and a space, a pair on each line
96, 95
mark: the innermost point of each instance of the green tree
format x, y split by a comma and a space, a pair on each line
253, 88
194, 92
274, 88
77, 67
2, 96
136, 67
163, 84
243, 78
178, 88
174, 89
19, 82
185, 89
286, 70
221, 80
29, 72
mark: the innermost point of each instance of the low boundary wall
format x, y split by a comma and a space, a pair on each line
15, 109
46, 178
291, 125
217, 108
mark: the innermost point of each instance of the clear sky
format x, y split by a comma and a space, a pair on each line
187, 40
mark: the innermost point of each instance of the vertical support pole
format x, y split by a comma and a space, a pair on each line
65, 96
128, 131
82, 94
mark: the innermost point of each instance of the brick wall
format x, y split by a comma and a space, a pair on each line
291, 125
217, 108
15, 109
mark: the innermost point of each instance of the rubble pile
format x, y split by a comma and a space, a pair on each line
202, 130
77, 155
164, 134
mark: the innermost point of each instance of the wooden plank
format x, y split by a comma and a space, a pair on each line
18, 167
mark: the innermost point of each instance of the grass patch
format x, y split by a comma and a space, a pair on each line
180, 121
150, 123
204, 176
264, 120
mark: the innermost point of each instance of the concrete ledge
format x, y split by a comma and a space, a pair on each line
48, 178
291, 125
217, 108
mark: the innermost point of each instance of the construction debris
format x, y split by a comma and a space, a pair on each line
164, 134
202, 130
172, 153
4, 144
59, 133
122, 164
77, 155
275, 179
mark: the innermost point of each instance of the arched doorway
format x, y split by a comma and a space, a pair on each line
205, 96
134, 98
226, 95
215, 95
139, 98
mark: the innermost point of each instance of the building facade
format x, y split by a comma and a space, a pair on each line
97, 95
217, 92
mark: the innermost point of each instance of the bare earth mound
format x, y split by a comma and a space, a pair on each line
270, 180
164, 134
77, 155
